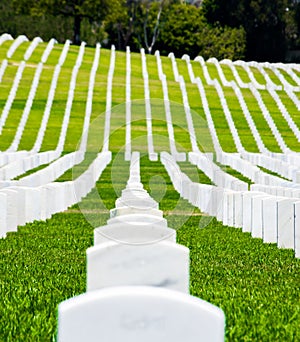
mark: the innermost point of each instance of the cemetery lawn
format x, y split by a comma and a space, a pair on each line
256, 284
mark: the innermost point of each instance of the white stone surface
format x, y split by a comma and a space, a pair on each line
297, 229
131, 191
33, 204
139, 219
47, 201
20, 204
217, 198
285, 227
163, 264
134, 202
225, 208
133, 233
257, 216
269, 231
247, 209
230, 208
134, 210
194, 193
238, 210
139, 314
134, 186
12, 209
3, 210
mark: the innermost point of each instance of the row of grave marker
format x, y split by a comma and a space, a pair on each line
214, 82
184, 96
37, 181
246, 112
271, 217
266, 160
230, 214
138, 280
23, 163
40, 199
247, 169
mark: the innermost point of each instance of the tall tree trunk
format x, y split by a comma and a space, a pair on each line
77, 24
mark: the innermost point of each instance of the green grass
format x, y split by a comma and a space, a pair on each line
41, 266
272, 173
282, 125
260, 122
234, 173
194, 173
220, 122
272, 76
256, 284
288, 77
243, 74
251, 281
240, 121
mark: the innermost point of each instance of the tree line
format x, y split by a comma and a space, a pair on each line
234, 29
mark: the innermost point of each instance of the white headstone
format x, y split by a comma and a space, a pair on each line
47, 202
139, 314
285, 228
257, 216
164, 264
134, 202
12, 209
194, 193
133, 233
217, 198
3, 210
238, 210
247, 209
297, 229
134, 186
139, 219
69, 194
20, 204
134, 210
33, 204
269, 211
228, 208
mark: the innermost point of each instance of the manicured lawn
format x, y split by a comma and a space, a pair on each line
256, 284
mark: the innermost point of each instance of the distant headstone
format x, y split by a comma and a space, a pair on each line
133, 233
134, 202
238, 210
247, 209
135, 210
12, 209
257, 216
285, 228
33, 204
139, 219
20, 204
269, 210
3, 210
297, 229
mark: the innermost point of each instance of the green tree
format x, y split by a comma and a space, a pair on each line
93, 10
182, 31
186, 31
223, 42
264, 23
136, 23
